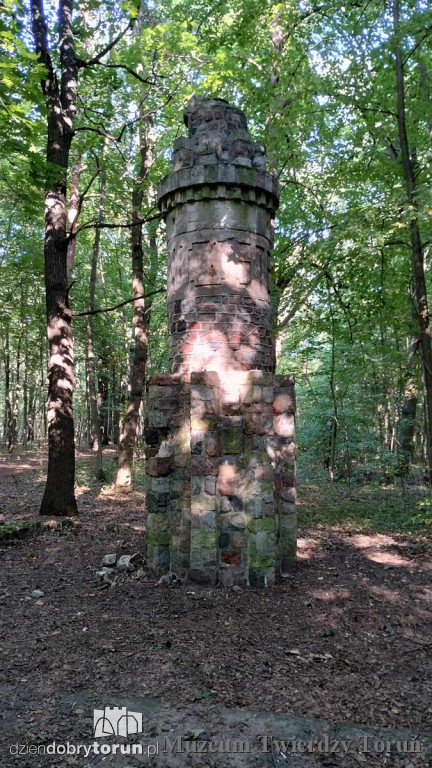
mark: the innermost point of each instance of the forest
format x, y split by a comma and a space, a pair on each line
92, 97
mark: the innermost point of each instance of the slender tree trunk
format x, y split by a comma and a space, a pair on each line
335, 419
7, 403
95, 429
417, 254
141, 315
15, 402
60, 97
409, 409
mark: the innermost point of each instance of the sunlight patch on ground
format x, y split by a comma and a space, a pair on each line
331, 594
362, 541
306, 548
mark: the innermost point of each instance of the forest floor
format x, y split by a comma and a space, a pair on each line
343, 647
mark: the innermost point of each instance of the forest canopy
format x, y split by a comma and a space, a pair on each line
92, 96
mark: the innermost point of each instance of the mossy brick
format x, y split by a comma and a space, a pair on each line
265, 543
158, 538
288, 544
158, 522
203, 538
261, 524
232, 440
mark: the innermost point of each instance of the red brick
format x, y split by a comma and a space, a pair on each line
159, 466
231, 557
202, 465
284, 403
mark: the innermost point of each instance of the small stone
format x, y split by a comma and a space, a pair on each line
105, 575
109, 560
124, 563
37, 593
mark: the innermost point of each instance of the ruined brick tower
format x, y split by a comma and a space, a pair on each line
220, 427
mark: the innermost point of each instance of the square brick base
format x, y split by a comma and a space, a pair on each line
220, 461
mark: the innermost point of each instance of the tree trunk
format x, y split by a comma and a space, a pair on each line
15, 403
7, 402
60, 97
417, 256
95, 429
409, 409
141, 316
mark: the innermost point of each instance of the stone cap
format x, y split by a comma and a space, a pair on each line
218, 150
217, 132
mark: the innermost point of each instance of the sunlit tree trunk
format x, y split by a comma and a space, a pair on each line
141, 315
60, 98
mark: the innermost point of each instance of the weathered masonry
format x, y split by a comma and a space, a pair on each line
220, 425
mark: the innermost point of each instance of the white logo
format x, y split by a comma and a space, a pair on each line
113, 721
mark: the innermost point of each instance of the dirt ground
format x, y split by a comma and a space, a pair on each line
347, 640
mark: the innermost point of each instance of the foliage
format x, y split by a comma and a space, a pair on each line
317, 83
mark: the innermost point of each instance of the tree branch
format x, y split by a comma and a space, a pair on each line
97, 59
69, 73
105, 225
118, 306
40, 35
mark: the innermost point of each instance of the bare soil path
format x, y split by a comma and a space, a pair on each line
348, 639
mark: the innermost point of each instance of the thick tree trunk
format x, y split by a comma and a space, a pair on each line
59, 495
417, 255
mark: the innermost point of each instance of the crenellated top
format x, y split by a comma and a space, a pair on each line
218, 151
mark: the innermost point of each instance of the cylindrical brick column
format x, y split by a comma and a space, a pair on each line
220, 426
218, 204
